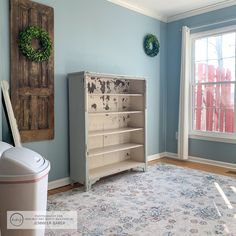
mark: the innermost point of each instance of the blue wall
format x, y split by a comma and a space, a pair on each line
102, 37
206, 149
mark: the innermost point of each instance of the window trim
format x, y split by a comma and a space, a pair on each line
207, 135
213, 136
213, 32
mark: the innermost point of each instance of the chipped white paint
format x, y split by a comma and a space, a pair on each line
114, 110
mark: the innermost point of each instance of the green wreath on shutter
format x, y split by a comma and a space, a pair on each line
25, 44
151, 45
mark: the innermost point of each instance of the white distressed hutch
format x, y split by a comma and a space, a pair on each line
107, 116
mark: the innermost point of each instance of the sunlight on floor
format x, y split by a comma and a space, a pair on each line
220, 190
223, 196
226, 229
233, 188
217, 209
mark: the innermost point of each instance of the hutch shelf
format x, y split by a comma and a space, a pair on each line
107, 125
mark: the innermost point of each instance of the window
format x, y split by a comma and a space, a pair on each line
213, 84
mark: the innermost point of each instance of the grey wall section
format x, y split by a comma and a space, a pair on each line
225, 152
102, 37
205, 149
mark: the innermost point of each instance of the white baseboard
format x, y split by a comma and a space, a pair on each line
58, 183
65, 181
156, 156
171, 155
204, 161
213, 162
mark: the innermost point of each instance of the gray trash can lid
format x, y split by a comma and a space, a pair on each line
19, 163
4, 146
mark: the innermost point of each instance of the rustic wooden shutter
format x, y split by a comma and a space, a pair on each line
32, 84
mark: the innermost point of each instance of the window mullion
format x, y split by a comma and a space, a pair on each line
192, 87
235, 103
219, 105
235, 86
212, 83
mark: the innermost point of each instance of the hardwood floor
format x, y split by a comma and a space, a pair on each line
197, 166
63, 189
166, 160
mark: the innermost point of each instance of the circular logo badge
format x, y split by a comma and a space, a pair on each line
17, 219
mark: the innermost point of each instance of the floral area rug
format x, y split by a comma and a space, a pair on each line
167, 200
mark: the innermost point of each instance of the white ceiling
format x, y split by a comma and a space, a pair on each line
169, 10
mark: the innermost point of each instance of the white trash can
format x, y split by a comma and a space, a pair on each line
3, 147
23, 186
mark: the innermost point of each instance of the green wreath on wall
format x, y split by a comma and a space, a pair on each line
25, 44
151, 45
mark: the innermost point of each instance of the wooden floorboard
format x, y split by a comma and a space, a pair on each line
166, 160
195, 165
63, 189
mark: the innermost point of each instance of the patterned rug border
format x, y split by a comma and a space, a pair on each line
150, 165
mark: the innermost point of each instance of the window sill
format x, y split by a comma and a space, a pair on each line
214, 137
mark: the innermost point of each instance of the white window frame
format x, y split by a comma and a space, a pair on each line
207, 135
